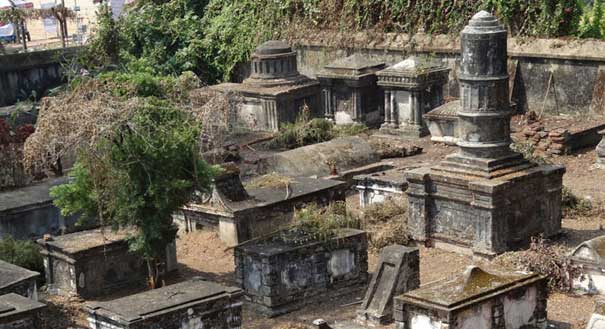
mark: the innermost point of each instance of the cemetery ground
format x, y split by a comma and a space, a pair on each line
203, 254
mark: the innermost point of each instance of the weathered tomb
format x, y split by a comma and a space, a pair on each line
485, 199
384, 185
280, 275
411, 88
29, 211
590, 257
398, 271
95, 263
245, 213
18, 312
275, 92
349, 91
442, 123
597, 319
475, 299
18, 280
191, 304
313, 160
600, 150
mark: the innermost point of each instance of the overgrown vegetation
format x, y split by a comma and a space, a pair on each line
547, 259
574, 205
307, 131
313, 223
592, 24
22, 253
529, 152
386, 223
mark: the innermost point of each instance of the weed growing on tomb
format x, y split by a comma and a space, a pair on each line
544, 258
529, 152
574, 205
386, 223
313, 223
21, 253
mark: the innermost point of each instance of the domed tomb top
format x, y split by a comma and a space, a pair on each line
483, 22
273, 47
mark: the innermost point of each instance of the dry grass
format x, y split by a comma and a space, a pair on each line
386, 223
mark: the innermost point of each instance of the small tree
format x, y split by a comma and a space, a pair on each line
141, 173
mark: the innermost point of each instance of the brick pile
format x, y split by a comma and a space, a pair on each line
548, 140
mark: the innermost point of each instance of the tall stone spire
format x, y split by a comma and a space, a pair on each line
484, 118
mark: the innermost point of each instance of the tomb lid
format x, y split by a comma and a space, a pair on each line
591, 251
273, 47
413, 66
352, 66
473, 284
78, 242
154, 302
36, 195
12, 274
11, 304
395, 176
448, 110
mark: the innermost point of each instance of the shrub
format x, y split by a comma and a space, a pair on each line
573, 205
21, 253
592, 24
386, 223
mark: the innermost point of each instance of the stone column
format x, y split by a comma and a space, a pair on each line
485, 115
387, 109
356, 100
327, 100
394, 110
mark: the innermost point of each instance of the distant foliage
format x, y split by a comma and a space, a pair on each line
21, 253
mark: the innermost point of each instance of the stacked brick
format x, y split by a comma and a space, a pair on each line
551, 141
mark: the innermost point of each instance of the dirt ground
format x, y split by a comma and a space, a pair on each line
202, 254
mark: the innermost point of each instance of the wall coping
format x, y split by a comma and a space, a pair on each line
520, 47
41, 58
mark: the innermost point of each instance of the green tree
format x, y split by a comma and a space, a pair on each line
138, 176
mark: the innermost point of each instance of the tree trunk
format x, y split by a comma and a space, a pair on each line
153, 274
23, 35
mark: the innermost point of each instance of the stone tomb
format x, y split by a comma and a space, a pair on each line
476, 299
94, 263
18, 312
443, 123
597, 319
281, 276
191, 304
349, 91
18, 280
384, 185
411, 88
275, 92
29, 211
590, 257
398, 272
242, 214
601, 151
485, 199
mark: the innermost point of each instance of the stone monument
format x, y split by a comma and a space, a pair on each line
18, 312
411, 88
349, 91
597, 319
485, 199
589, 257
476, 299
275, 92
601, 151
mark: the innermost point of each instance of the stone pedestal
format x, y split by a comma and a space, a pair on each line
349, 91
411, 89
485, 199
601, 151
275, 92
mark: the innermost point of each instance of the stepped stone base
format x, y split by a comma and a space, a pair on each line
481, 215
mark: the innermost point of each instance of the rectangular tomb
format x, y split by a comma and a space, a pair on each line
94, 263
476, 299
18, 312
191, 304
350, 93
242, 214
18, 280
279, 276
382, 186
